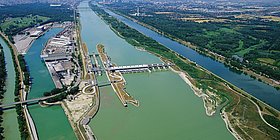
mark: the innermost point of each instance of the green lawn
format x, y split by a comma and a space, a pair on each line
243, 51
267, 60
21, 22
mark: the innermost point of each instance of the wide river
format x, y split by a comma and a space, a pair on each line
262, 91
168, 109
51, 122
10, 123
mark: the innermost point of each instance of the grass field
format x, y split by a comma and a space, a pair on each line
272, 18
267, 60
22, 22
243, 51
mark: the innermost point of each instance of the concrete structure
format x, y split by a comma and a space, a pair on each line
35, 33
133, 68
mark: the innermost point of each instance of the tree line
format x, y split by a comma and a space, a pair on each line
3, 76
24, 133
248, 38
56, 14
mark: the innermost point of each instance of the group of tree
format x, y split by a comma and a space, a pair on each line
249, 38
201, 79
137, 39
61, 93
3, 75
24, 69
56, 14
24, 133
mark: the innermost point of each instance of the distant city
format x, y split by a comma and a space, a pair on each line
140, 69
13, 2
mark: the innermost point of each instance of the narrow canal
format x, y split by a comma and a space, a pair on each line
51, 122
260, 90
168, 107
10, 123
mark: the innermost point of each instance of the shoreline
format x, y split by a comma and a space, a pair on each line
196, 91
22, 94
237, 89
207, 52
240, 93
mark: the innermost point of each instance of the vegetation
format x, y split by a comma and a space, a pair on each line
61, 94
3, 75
15, 18
202, 79
21, 117
12, 26
55, 91
272, 120
56, 14
254, 40
24, 69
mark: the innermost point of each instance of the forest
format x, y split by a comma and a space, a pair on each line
59, 14
43, 10
255, 40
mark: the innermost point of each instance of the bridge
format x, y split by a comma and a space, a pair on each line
37, 100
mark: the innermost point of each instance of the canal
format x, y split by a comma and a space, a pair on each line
168, 109
260, 90
10, 122
51, 122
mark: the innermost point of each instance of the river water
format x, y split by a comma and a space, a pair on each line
168, 107
51, 122
260, 90
10, 123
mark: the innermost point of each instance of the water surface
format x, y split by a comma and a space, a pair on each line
168, 107
10, 122
262, 91
51, 122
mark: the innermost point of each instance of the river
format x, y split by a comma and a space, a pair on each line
168, 109
51, 122
260, 90
10, 123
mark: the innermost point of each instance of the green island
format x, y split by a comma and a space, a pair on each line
223, 93
247, 43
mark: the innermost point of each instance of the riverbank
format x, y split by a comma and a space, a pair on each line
10, 122
83, 106
210, 108
213, 55
20, 92
204, 80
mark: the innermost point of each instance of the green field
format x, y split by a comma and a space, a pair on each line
22, 22
267, 60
